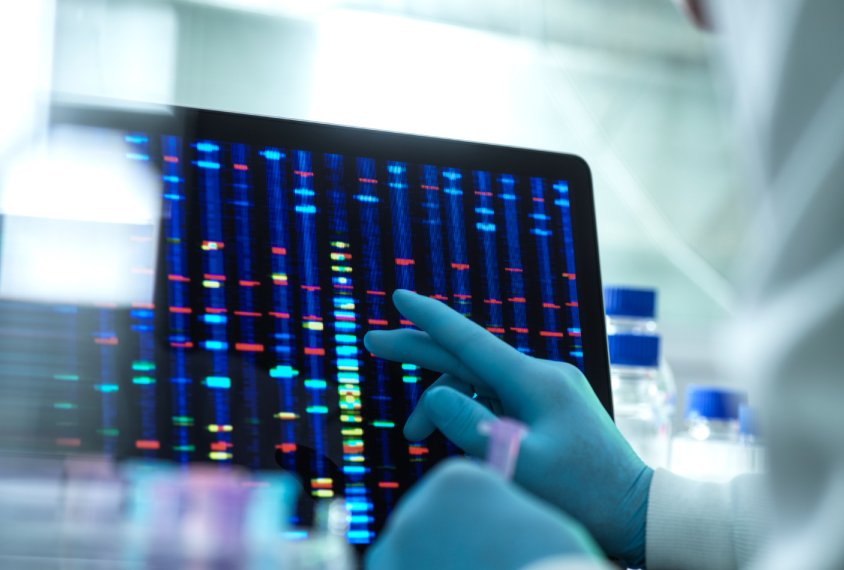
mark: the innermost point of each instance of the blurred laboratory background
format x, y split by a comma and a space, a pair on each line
629, 85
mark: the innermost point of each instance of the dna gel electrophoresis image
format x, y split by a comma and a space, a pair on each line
273, 264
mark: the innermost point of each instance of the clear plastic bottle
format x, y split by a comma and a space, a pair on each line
753, 457
643, 394
708, 449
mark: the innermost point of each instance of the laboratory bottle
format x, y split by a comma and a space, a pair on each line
632, 310
708, 449
751, 444
642, 384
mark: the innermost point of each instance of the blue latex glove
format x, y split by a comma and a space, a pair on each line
574, 456
436, 525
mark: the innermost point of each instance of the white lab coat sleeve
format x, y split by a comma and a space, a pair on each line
693, 525
569, 563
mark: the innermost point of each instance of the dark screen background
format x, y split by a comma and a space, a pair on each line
273, 265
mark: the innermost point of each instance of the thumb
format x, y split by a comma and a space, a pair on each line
457, 417
418, 425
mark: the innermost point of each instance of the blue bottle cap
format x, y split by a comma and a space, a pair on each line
634, 349
629, 302
748, 420
713, 403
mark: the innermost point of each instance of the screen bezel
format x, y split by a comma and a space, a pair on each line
384, 145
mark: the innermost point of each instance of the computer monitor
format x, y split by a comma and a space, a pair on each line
280, 245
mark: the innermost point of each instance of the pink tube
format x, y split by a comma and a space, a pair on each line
505, 437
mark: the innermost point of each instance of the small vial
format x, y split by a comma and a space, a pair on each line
505, 437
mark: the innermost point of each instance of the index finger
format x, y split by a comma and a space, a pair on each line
492, 359
417, 347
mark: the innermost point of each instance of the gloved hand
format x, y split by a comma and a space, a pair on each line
436, 525
573, 457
